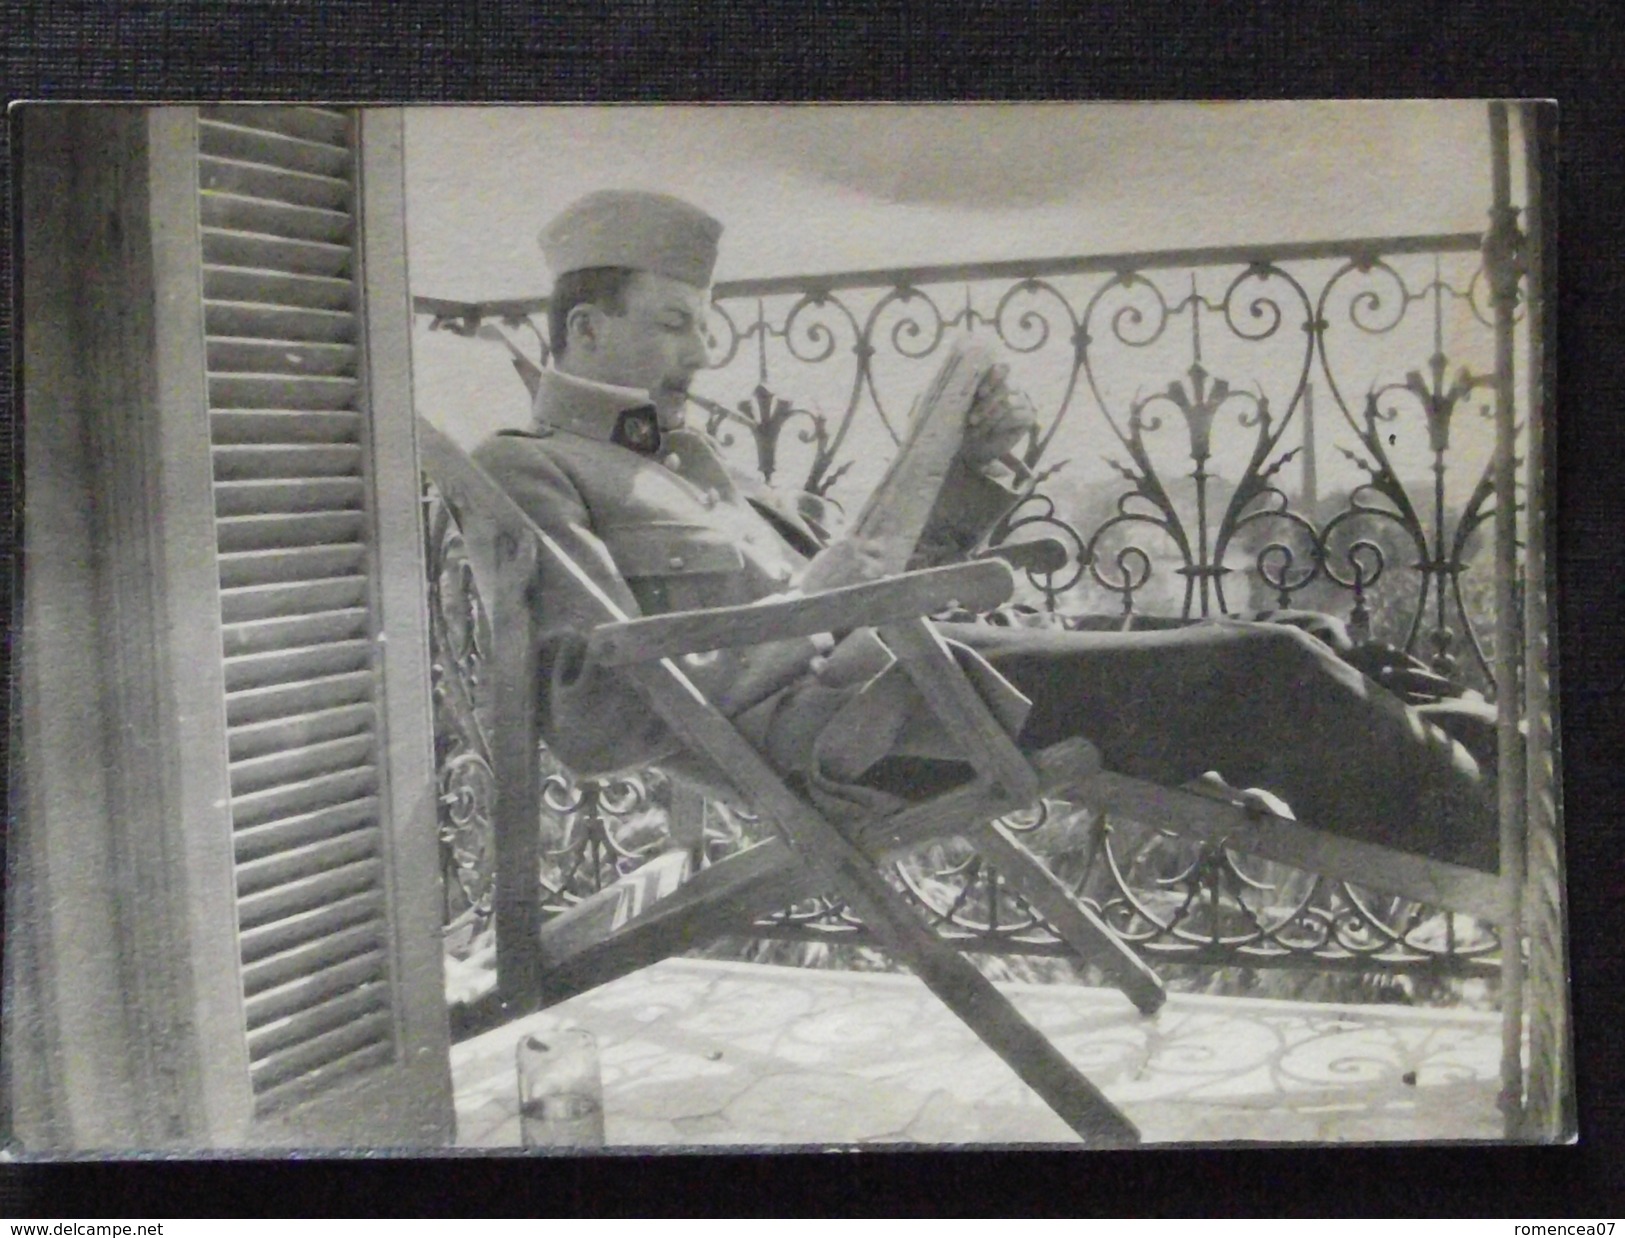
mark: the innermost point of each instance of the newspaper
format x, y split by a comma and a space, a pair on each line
895, 514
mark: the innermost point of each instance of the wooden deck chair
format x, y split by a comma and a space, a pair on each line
540, 963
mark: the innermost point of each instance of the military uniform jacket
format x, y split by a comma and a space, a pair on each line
661, 522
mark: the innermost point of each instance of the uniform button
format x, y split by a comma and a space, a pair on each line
676, 562
709, 499
783, 574
750, 539
674, 462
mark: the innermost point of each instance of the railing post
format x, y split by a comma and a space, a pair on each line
1502, 263
1548, 1102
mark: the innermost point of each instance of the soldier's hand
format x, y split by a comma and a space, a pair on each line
1000, 416
850, 561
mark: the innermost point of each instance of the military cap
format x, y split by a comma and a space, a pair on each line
633, 228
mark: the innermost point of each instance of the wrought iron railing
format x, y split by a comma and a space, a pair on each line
460, 643
1221, 431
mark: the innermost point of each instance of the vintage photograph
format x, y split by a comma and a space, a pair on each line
601, 628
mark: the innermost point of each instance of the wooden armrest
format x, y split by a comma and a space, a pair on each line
981, 585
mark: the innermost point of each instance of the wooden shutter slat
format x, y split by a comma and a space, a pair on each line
285, 882
252, 842
308, 1056
262, 252
262, 738
346, 754
297, 665
241, 568
287, 700
308, 892
273, 1095
263, 320
282, 494
292, 631
314, 987
293, 461
267, 532
271, 1099
286, 870
279, 391
258, 567
252, 603
246, 356
283, 867
275, 953
299, 731
222, 138
241, 213
313, 124
276, 288
258, 807
273, 769
259, 180
278, 426
319, 1018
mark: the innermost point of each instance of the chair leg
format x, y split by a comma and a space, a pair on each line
687, 819
969, 994
517, 837
1075, 923
729, 895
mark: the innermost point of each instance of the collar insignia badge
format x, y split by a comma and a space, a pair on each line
638, 429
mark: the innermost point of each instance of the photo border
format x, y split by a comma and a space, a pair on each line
290, 50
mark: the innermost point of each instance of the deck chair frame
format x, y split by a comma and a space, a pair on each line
541, 964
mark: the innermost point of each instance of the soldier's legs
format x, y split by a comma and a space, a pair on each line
1263, 705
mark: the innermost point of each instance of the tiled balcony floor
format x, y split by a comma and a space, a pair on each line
702, 1053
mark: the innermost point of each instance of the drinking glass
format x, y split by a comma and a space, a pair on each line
561, 1094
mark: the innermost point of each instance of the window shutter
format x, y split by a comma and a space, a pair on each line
310, 504
229, 871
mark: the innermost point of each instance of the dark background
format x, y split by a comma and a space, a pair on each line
500, 50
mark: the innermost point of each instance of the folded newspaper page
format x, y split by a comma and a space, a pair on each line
897, 509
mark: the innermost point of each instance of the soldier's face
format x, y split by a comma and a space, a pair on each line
657, 345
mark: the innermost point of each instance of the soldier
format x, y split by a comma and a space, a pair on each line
647, 506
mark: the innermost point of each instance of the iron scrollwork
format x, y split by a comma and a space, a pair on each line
460, 639
595, 831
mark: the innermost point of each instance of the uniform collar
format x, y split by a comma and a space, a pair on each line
600, 411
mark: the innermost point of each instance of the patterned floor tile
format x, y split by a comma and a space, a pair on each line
699, 1054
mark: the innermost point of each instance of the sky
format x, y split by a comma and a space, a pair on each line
828, 188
